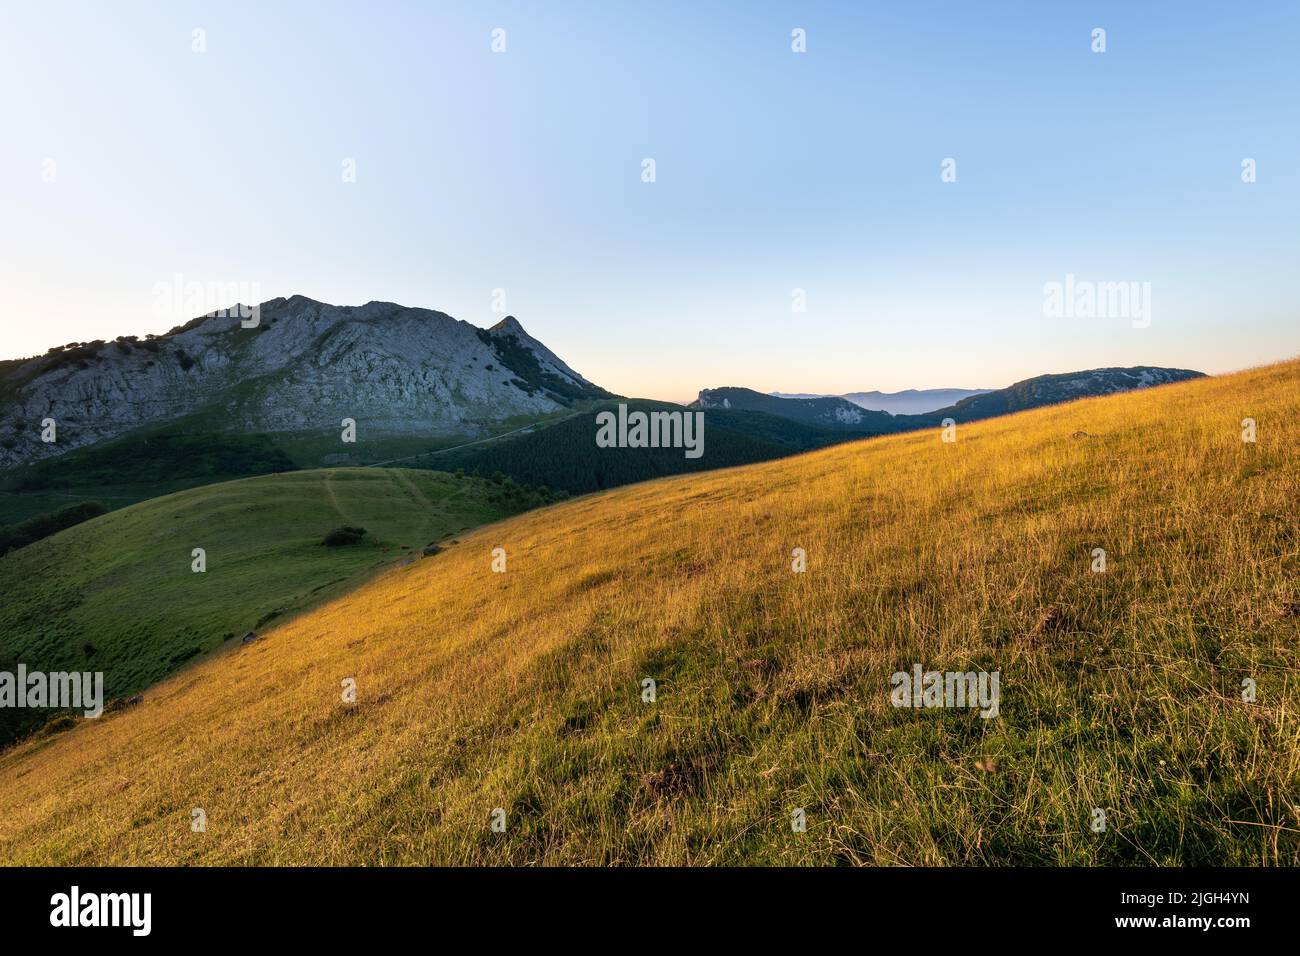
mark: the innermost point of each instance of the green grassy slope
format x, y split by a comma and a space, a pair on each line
117, 593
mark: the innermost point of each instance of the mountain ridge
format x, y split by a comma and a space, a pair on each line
306, 365
826, 412
1036, 392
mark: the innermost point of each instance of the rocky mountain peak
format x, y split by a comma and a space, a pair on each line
507, 326
304, 367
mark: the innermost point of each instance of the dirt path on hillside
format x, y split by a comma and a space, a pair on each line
410, 487
414, 492
334, 499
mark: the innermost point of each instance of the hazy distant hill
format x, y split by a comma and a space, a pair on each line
910, 401
824, 412
913, 401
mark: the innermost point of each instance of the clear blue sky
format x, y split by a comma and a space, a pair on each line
775, 171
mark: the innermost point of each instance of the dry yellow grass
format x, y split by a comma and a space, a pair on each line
522, 690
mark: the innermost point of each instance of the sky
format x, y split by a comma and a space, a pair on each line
800, 233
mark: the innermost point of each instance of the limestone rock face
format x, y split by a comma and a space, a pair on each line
305, 367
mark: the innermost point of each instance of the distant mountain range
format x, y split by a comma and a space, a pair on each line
911, 401
842, 414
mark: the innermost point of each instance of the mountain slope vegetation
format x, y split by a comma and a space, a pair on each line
118, 593
564, 456
523, 691
128, 470
827, 411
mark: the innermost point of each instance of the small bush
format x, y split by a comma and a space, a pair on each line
345, 535
58, 724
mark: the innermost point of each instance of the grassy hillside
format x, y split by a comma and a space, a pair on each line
118, 594
522, 690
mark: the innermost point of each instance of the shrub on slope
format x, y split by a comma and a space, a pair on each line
42, 526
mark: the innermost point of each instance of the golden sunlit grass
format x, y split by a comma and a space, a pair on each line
523, 690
